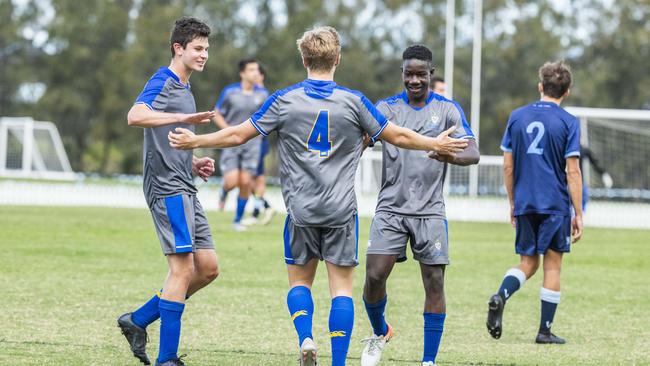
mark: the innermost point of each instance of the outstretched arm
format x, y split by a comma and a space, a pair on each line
508, 181
469, 156
141, 116
408, 139
185, 139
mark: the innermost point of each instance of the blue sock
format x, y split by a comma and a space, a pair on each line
376, 315
341, 324
512, 281
550, 299
433, 325
147, 313
241, 206
170, 329
301, 308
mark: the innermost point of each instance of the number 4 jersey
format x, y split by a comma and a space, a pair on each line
541, 136
320, 127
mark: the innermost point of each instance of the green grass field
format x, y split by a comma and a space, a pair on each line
67, 273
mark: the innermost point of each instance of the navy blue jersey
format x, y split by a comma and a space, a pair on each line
541, 136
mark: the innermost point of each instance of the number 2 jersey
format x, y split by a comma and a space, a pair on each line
320, 127
541, 136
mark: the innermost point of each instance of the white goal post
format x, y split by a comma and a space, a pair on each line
33, 150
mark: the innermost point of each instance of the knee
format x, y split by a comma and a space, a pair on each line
529, 267
182, 272
211, 273
375, 279
435, 285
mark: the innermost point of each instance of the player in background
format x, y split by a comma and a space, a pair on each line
259, 179
588, 156
167, 103
236, 104
410, 207
438, 85
541, 171
320, 127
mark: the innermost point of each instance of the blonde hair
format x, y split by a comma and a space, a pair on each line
320, 48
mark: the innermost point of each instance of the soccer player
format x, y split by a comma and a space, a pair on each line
438, 85
258, 185
320, 127
587, 156
541, 171
410, 207
167, 103
236, 104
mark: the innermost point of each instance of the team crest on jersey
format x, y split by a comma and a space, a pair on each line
435, 119
438, 245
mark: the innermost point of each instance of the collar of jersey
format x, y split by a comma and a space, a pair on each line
405, 98
318, 89
167, 71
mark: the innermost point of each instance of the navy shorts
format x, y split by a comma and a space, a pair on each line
537, 233
264, 149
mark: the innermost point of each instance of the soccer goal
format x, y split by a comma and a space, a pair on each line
32, 149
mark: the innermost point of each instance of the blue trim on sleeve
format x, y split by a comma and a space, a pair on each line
269, 102
229, 88
154, 86
374, 138
176, 215
572, 153
258, 128
505, 149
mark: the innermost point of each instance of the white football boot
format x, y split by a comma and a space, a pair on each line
308, 353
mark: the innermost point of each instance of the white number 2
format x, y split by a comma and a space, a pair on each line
539, 126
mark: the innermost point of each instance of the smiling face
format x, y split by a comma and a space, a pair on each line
195, 54
416, 75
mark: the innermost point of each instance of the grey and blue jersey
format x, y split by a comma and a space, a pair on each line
237, 106
320, 127
412, 182
167, 171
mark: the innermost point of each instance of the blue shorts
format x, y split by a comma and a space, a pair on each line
537, 233
265, 147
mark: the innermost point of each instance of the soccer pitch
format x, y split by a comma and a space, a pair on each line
67, 273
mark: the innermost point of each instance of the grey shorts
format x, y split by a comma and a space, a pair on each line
181, 224
245, 157
337, 245
428, 237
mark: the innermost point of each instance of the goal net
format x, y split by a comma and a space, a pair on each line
32, 149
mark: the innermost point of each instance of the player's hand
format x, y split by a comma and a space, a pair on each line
446, 145
513, 218
441, 157
366, 141
607, 180
183, 139
203, 167
197, 118
576, 228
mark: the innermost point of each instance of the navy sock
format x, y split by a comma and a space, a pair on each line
376, 315
433, 326
147, 313
341, 323
301, 309
512, 281
550, 299
170, 329
223, 194
266, 204
241, 206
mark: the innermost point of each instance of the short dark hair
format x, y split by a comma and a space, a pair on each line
244, 62
555, 78
262, 69
186, 29
418, 52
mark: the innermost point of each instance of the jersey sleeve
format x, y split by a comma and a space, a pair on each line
152, 93
372, 121
457, 118
506, 141
573, 140
267, 118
